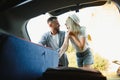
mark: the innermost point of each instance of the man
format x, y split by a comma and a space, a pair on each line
54, 39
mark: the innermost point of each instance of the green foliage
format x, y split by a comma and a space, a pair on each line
100, 63
70, 49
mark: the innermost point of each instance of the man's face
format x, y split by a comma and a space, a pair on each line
54, 25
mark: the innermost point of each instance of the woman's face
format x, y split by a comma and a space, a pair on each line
67, 24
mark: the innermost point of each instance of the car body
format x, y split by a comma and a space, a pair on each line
20, 12
15, 14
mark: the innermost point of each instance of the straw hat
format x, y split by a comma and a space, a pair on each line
75, 18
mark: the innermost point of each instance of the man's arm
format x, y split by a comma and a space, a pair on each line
43, 40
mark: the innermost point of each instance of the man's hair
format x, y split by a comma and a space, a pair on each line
51, 19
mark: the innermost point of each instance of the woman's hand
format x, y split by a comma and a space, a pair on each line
70, 34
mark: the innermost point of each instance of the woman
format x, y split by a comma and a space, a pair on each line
77, 36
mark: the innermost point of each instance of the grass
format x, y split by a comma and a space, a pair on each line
111, 75
73, 63
72, 59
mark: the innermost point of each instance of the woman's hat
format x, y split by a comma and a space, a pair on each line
75, 18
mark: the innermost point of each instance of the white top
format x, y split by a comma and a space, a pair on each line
56, 40
82, 34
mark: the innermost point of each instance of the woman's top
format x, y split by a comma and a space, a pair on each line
81, 35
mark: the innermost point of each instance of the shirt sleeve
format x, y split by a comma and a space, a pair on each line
43, 40
83, 32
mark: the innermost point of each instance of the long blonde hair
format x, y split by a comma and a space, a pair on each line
74, 27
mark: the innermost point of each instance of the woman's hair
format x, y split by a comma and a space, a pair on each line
73, 26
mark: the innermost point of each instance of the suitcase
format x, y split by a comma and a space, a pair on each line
71, 73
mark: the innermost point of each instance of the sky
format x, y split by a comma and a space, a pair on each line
102, 23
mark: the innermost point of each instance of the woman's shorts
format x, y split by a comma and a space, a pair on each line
84, 58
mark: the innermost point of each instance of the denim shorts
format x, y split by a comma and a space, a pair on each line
84, 58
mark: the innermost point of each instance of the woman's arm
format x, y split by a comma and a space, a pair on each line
64, 46
79, 42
